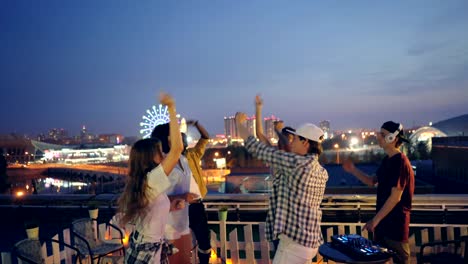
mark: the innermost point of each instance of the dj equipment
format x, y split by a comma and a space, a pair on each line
359, 248
390, 137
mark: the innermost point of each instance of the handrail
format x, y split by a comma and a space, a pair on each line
337, 224
249, 201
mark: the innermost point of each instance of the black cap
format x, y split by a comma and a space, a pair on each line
391, 127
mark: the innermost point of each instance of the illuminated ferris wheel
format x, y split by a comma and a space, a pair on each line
157, 116
154, 116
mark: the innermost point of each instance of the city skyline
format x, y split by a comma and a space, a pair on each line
101, 64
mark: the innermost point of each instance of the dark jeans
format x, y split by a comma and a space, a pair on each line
199, 225
401, 249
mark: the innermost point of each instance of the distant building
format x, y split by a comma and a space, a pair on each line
325, 126
230, 128
17, 148
57, 134
83, 133
251, 126
232, 135
425, 134
111, 138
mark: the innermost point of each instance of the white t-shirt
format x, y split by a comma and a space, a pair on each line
152, 226
182, 181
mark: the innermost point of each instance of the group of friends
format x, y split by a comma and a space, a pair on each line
164, 191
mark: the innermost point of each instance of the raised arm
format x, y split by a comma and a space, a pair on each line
170, 161
258, 120
349, 167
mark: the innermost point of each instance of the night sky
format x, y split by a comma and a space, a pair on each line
64, 64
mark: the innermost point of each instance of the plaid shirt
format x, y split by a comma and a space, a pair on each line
298, 187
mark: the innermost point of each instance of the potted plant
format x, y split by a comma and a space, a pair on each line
93, 210
32, 228
222, 213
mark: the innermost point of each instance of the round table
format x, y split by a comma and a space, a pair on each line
331, 253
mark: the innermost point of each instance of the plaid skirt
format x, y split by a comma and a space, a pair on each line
143, 253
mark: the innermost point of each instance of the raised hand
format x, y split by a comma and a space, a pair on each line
258, 101
166, 99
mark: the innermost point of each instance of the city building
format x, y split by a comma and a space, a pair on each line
325, 126
230, 128
111, 138
268, 127
57, 134
83, 133
251, 126
17, 149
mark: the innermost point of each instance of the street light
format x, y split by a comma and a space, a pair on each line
337, 149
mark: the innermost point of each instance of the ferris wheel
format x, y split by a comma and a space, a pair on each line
157, 116
154, 116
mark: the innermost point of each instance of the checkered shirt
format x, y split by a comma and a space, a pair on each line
143, 253
298, 187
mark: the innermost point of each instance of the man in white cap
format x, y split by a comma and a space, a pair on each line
294, 213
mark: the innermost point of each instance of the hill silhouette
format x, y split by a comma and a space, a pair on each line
457, 126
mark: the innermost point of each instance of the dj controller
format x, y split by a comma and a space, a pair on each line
359, 248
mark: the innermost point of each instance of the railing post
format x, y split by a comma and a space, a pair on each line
223, 238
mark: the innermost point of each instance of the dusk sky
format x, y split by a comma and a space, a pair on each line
64, 64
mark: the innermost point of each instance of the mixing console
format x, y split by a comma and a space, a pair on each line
359, 248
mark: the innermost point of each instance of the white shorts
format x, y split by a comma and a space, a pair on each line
290, 252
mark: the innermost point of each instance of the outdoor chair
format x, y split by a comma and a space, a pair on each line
449, 251
86, 239
30, 250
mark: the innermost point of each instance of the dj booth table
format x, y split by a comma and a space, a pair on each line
333, 254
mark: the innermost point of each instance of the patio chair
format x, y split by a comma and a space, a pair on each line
30, 250
86, 239
449, 251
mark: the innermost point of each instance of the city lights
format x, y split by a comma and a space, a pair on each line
337, 148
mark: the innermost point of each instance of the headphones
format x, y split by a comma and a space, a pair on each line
390, 137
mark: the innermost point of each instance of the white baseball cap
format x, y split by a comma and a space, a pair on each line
309, 131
